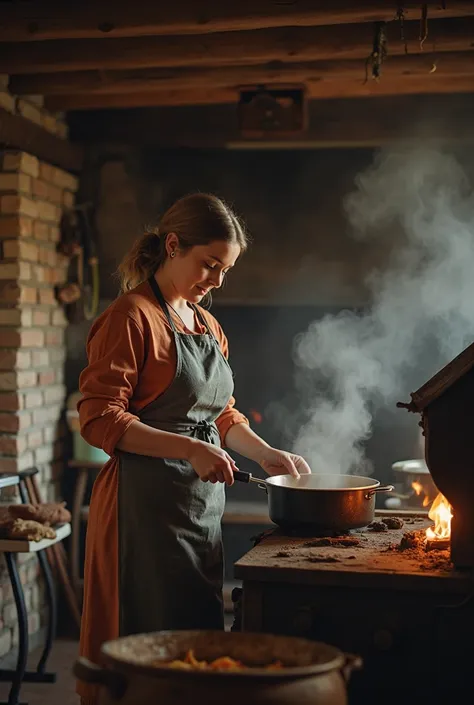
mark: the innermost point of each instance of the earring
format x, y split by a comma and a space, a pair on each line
172, 254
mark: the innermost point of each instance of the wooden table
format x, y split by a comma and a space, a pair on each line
11, 548
404, 615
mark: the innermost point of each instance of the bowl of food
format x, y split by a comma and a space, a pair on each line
178, 667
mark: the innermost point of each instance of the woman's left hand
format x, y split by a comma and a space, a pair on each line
280, 462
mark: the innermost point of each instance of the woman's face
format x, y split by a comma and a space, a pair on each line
195, 272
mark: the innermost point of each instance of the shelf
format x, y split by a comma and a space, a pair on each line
246, 513
9, 481
26, 546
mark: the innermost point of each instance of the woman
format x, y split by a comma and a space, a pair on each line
157, 397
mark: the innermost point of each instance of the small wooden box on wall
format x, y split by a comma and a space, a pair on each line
276, 111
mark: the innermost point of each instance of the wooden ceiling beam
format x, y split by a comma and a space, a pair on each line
336, 88
29, 20
357, 122
289, 44
16, 132
428, 66
187, 97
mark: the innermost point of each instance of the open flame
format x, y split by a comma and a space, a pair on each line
418, 488
441, 514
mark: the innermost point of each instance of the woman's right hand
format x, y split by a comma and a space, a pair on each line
211, 463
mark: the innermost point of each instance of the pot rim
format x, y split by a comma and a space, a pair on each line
411, 467
336, 661
276, 481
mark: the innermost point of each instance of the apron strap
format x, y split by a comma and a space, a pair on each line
202, 320
161, 300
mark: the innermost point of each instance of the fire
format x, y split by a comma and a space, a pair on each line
441, 514
417, 486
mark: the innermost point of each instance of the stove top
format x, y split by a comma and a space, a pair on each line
358, 557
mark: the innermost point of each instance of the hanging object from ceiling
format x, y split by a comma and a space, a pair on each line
423, 25
379, 52
272, 111
401, 20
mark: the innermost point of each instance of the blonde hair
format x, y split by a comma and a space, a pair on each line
196, 219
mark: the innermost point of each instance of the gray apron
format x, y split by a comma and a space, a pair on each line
169, 521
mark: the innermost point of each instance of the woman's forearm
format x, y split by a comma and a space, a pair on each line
145, 440
243, 440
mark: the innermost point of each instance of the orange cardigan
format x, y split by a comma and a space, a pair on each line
132, 360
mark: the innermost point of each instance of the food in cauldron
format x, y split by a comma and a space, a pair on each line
223, 663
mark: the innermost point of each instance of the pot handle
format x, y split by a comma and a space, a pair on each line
351, 663
381, 488
247, 477
86, 671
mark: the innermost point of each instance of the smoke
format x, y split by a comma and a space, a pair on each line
420, 204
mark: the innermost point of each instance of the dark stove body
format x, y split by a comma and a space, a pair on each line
409, 617
446, 406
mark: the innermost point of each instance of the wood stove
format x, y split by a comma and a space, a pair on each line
446, 405
407, 611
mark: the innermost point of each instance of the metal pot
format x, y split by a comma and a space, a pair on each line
314, 673
323, 502
408, 472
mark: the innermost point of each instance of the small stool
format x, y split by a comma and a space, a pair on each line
79, 515
56, 554
11, 547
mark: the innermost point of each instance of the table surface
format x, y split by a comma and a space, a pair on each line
367, 559
26, 546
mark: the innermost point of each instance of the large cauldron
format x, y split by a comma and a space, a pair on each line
314, 673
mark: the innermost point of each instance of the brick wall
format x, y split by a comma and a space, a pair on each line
32, 108
33, 196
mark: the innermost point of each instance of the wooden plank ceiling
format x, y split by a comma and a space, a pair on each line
184, 63
85, 55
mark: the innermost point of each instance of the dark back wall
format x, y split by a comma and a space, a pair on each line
302, 264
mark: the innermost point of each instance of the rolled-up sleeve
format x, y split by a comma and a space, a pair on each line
116, 352
230, 415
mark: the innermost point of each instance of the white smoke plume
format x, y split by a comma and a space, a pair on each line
348, 366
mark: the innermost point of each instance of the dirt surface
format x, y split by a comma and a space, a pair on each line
413, 545
397, 551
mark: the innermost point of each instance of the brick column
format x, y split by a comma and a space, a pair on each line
33, 196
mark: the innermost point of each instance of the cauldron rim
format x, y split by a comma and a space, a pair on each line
334, 659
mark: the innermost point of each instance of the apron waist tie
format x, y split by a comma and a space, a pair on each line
204, 430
